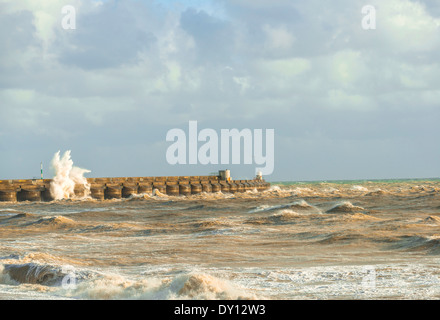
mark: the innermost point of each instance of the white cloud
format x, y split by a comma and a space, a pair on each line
286, 68
278, 38
407, 26
338, 99
243, 82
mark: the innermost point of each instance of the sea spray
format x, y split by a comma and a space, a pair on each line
66, 177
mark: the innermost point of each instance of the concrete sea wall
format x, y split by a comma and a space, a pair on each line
124, 187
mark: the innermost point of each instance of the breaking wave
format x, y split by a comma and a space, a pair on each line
359, 188
360, 217
432, 220
297, 205
213, 224
429, 244
62, 224
192, 285
342, 238
66, 177
17, 218
56, 222
377, 193
66, 281
281, 217
35, 273
345, 207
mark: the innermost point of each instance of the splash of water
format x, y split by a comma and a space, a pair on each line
66, 177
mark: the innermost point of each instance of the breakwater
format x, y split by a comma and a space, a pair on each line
124, 187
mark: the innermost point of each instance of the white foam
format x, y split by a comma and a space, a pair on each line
359, 188
193, 285
66, 176
266, 207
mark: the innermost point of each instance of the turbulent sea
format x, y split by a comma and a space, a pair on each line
320, 240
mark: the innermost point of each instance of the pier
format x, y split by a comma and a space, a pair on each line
125, 187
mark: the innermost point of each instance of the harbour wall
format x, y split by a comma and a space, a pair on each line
124, 187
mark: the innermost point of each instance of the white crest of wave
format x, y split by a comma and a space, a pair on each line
193, 285
66, 177
159, 194
359, 188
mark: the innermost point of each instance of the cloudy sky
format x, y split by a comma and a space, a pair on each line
344, 102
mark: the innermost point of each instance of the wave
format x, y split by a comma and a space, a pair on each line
196, 207
194, 285
273, 190
157, 193
303, 205
213, 224
281, 217
34, 222
285, 215
35, 273
9, 211
214, 196
297, 205
204, 286
93, 212
10, 256
32, 273
342, 238
56, 222
17, 218
303, 190
330, 190
359, 188
266, 207
429, 244
377, 193
361, 217
345, 207
432, 220
67, 281
120, 228
62, 223
66, 177
422, 188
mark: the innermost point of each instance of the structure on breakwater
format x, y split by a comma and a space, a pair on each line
117, 188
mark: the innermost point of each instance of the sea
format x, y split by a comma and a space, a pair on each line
377, 239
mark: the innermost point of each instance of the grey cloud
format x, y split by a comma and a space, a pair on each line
16, 31
214, 37
108, 37
17, 35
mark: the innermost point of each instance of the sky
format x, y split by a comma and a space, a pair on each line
344, 102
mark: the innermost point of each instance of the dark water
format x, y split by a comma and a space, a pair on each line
358, 240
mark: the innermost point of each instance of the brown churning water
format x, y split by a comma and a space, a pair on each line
293, 241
